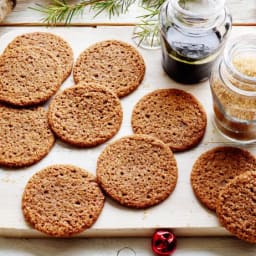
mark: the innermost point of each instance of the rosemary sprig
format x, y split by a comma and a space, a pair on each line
147, 31
61, 11
113, 8
156, 4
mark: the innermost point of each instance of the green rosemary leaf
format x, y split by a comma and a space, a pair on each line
148, 28
112, 7
156, 4
147, 31
62, 11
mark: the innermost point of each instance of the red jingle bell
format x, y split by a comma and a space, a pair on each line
163, 243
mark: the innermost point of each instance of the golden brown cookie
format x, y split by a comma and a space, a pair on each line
137, 171
174, 116
28, 76
62, 200
25, 136
215, 168
236, 206
114, 64
85, 115
56, 45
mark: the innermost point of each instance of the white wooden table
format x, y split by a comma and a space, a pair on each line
244, 16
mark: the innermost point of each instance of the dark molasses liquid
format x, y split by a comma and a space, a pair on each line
188, 59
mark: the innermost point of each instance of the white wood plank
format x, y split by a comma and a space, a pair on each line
123, 247
181, 211
242, 11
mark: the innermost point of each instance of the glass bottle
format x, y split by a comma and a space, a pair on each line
233, 87
192, 33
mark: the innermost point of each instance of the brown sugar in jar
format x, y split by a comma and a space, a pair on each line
233, 86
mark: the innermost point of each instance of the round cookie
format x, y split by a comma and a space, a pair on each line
172, 115
28, 76
215, 168
62, 200
236, 206
137, 171
56, 45
25, 136
114, 64
85, 115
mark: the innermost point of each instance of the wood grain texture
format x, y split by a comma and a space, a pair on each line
181, 211
243, 12
123, 247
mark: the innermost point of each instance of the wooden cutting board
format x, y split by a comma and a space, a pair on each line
180, 212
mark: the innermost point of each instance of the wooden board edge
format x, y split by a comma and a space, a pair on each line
126, 232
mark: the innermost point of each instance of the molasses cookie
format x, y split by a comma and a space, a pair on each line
28, 76
56, 45
114, 64
215, 168
85, 115
62, 200
236, 206
172, 115
25, 136
137, 171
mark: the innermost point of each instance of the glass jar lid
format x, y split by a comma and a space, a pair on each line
197, 14
198, 8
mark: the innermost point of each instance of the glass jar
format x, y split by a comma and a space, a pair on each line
233, 87
192, 34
